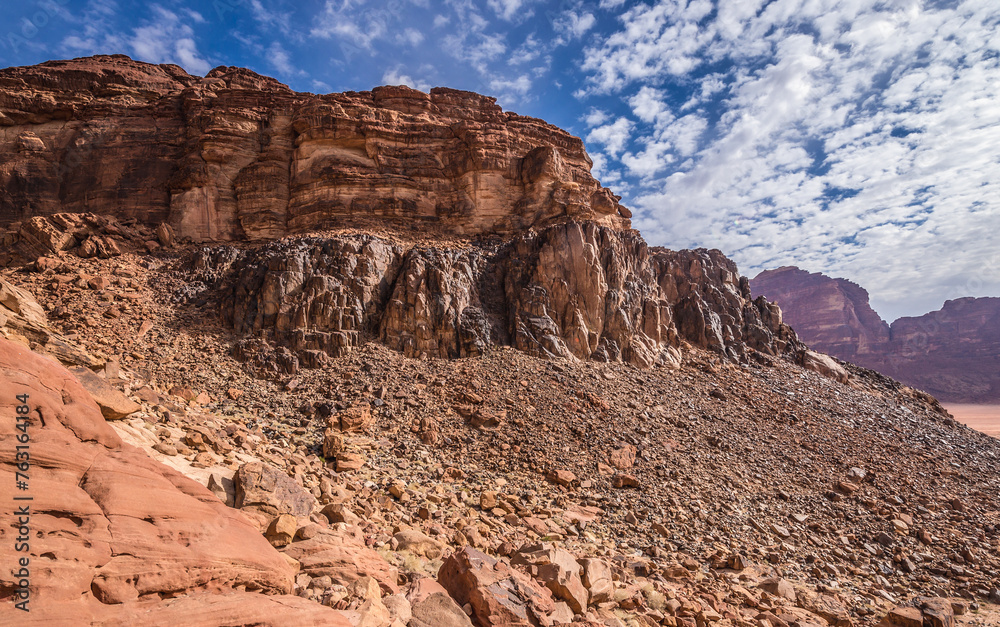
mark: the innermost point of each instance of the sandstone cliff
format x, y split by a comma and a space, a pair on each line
831, 315
237, 155
528, 249
953, 353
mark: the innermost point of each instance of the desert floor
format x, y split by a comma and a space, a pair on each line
984, 418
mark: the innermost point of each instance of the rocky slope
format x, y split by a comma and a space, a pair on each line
952, 353
236, 155
526, 490
451, 388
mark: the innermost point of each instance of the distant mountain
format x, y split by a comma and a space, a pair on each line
952, 353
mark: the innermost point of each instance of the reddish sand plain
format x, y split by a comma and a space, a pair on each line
984, 418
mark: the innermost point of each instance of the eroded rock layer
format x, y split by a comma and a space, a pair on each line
236, 154
575, 290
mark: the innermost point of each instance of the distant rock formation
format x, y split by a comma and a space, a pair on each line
952, 353
236, 155
831, 315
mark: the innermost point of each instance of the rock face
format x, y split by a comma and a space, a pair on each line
236, 154
106, 521
952, 353
831, 315
574, 290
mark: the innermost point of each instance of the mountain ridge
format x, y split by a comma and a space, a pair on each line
951, 352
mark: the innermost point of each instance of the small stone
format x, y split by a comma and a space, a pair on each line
625, 481
905, 616
347, 462
561, 477
488, 500
779, 588
623, 458
281, 531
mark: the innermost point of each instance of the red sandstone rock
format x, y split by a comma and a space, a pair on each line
107, 519
213, 157
498, 594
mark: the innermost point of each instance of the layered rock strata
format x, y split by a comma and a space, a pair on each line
237, 155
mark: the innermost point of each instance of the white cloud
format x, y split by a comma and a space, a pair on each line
358, 28
595, 117
411, 36
269, 18
166, 39
517, 86
612, 136
511, 10
396, 77
321, 87
279, 59
852, 138
573, 25
648, 105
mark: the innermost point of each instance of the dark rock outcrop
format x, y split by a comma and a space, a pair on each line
575, 290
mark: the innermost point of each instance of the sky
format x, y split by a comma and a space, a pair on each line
857, 138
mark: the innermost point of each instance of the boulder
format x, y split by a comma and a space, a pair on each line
431, 606
114, 405
266, 491
597, 579
779, 588
418, 543
340, 553
824, 364
622, 458
498, 594
352, 419
558, 570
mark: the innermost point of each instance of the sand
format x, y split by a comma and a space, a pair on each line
984, 418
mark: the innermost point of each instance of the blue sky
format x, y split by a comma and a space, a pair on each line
856, 138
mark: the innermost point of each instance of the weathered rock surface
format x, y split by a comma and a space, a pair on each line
106, 520
113, 403
498, 594
952, 353
23, 320
265, 492
236, 154
574, 291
